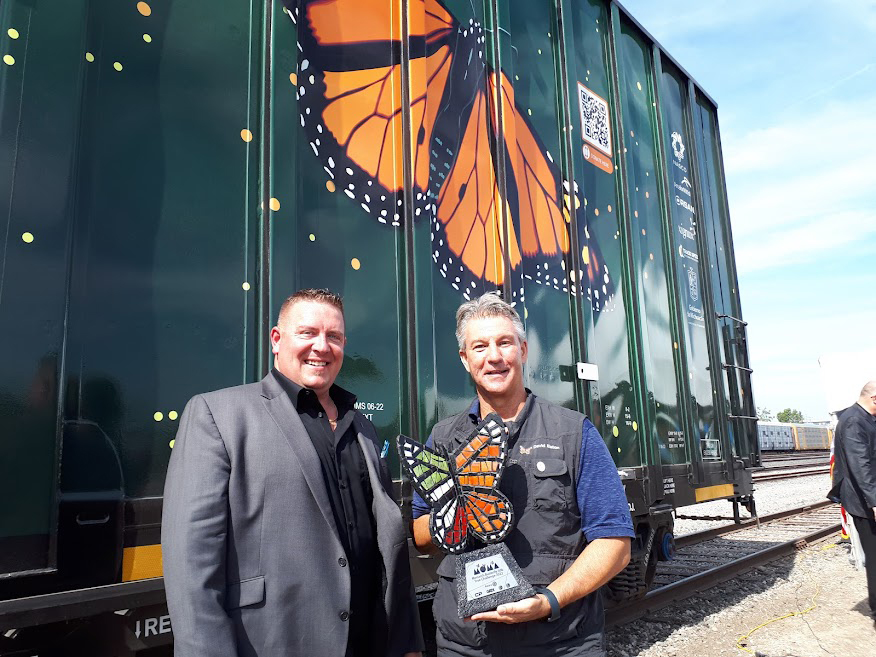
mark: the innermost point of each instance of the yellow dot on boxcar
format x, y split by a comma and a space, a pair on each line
615, 433
12, 32
596, 212
246, 135
647, 195
355, 264
539, 51
274, 205
312, 237
675, 345
9, 60
585, 255
147, 38
639, 86
330, 185
530, 112
172, 415
651, 256
609, 208
172, 443
643, 231
144, 8
647, 174
636, 213
27, 238
681, 251
158, 416
618, 449
89, 57
635, 426
293, 78
632, 134
118, 66
246, 286
526, 313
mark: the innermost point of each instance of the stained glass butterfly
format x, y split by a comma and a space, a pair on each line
463, 487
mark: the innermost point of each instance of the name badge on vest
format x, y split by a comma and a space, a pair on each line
463, 490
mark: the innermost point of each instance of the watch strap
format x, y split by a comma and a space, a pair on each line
552, 600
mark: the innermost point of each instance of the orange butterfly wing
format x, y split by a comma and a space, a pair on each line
543, 228
478, 469
340, 22
470, 210
350, 95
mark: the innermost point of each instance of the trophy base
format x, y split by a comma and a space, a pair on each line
487, 578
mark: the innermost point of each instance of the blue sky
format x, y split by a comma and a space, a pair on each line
795, 83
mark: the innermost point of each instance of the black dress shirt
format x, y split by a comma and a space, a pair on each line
345, 474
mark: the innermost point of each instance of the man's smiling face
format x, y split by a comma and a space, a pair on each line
308, 344
494, 356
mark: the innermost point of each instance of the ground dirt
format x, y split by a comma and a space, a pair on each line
826, 594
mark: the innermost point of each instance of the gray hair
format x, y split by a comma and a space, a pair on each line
487, 305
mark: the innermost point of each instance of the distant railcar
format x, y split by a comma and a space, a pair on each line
170, 172
788, 437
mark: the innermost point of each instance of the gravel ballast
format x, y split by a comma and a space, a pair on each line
810, 604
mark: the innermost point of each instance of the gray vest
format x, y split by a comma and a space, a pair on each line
539, 479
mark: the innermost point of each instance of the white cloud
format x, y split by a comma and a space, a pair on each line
810, 241
802, 188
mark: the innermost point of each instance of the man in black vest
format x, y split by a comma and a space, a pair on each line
854, 475
572, 529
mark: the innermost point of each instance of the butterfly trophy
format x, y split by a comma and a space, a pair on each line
467, 507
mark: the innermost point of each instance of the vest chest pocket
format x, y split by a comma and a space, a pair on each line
550, 481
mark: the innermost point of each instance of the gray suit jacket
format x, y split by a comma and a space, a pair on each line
253, 564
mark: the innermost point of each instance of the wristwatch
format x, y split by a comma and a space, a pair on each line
552, 600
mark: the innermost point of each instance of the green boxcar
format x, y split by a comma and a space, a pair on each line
171, 171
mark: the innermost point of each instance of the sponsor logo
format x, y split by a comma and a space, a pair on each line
677, 146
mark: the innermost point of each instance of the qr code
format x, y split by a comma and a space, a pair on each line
595, 126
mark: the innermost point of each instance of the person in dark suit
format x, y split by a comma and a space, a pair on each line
854, 476
280, 534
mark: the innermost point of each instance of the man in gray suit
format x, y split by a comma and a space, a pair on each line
280, 535
854, 476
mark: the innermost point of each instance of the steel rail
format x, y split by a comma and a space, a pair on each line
793, 466
773, 476
690, 586
705, 535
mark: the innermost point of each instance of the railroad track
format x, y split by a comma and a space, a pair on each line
708, 558
788, 472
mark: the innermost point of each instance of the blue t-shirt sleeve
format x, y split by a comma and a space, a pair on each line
605, 512
418, 504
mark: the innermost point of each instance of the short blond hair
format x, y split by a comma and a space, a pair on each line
318, 295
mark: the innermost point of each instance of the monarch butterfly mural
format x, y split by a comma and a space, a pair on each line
350, 107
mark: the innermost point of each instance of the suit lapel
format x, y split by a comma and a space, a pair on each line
386, 513
281, 410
